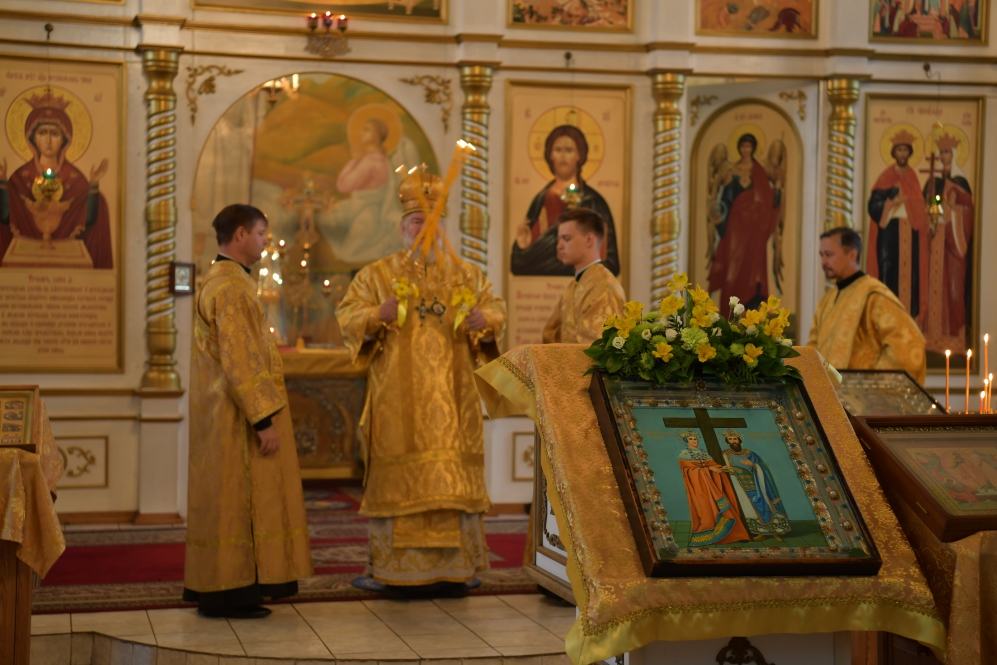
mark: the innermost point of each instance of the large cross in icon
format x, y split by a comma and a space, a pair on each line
706, 425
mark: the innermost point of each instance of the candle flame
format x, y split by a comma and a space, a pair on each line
983, 393
325, 283
948, 352
412, 170
264, 272
342, 16
400, 169
969, 354
304, 263
986, 338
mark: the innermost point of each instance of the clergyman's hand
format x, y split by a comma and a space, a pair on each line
476, 320
389, 310
269, 440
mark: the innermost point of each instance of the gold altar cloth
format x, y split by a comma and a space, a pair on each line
963, 578
321, 363
620, 608
27, 493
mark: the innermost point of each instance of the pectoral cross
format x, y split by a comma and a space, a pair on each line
706, 425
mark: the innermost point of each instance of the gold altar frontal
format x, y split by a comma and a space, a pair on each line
326, 394
620, 609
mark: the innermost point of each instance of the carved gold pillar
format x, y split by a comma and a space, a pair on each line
843, 93
160, 67
475, 81
667, 88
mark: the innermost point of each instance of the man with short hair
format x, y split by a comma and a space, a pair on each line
424, 323
247, 537
860, 324
595, 293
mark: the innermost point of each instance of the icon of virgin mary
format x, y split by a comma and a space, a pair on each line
65, 205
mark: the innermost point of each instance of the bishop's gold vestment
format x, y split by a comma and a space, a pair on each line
864, 326
246, 513
422, 442
584, 307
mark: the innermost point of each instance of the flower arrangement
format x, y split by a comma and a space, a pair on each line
464, 300
403, 290
687, 335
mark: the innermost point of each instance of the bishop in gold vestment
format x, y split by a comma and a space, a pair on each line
422, 441
860, 324
246, 531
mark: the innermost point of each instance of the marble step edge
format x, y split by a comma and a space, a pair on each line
93, 648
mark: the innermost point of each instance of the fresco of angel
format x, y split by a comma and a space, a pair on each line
745, 214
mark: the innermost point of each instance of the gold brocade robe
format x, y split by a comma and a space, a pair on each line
246, 513
422, 443
864, 326
584, 307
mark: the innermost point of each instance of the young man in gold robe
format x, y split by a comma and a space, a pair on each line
860, 324
595, 293
247, 537
422, 441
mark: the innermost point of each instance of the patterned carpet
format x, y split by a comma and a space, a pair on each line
143, 568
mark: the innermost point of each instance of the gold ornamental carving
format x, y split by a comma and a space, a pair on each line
160, 66
704, 100
842, 93
667, 88
438, 92
475, 82
207, 86
86, 460
801, 101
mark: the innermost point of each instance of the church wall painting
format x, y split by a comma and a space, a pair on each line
746, 205
938, 22
793, 19
61, 200
417, 11
930, 263
599, 15
320, 160
557, 135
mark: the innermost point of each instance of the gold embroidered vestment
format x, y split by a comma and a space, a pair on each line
864, 326
584, 307
246, 514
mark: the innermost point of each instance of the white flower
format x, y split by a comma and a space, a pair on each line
715, 332
714, 317
751, 330
646, 333
670, 335
618, 342
786, 342
733, 301
738, 309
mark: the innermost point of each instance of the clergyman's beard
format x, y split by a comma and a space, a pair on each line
430, 258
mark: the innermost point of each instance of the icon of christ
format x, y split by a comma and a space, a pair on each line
713, 509
761, 505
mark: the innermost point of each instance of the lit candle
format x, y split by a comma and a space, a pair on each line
327, 20
990, 391
982, 394
969, 354
49, 174
313, 21
342, 23
325, 288
986, 354
948, 357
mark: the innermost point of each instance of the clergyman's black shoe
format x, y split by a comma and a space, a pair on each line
247, 612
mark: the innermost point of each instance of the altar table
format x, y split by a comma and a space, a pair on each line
621, 610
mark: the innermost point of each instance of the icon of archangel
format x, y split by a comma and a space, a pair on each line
745, 214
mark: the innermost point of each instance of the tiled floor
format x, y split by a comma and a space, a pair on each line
475, 627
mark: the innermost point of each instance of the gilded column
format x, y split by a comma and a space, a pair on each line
842, 93
475, 81
667, 88
160, 67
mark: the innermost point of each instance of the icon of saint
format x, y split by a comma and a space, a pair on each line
754, 484
713, 508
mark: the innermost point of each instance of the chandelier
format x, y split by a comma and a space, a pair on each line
333, 41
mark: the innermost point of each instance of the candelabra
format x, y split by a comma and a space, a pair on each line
333, 41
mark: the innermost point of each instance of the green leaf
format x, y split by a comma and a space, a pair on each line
614, 364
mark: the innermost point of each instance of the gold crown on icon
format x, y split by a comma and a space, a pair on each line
419, 190
947, 141
903, 136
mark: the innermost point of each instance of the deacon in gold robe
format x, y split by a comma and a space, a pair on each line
595, 293
247, 537
425, 323
861, 324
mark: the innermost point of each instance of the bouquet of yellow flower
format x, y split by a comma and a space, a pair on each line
463, 299
687, 335
403, 290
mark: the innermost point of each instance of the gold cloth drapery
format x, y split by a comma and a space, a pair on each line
963, 578
864, 326
246, 512
620, 608
584, 306
27, 492
321, 363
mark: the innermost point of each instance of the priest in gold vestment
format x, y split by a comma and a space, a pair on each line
861, 324
247, 537
595, 292
425, 322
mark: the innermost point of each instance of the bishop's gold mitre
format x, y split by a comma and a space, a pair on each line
420, 191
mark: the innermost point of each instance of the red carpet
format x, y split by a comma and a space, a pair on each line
338, 538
